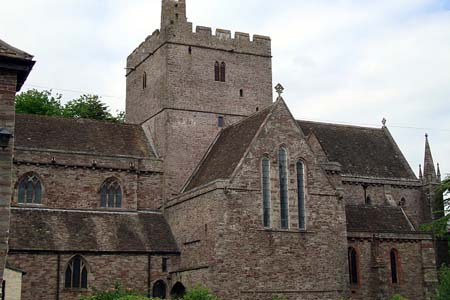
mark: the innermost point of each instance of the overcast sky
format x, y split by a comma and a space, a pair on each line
343, 61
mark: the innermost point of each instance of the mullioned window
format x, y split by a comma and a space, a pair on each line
29, 189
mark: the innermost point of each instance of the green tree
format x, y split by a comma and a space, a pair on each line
39, 103
443, 292
87, 107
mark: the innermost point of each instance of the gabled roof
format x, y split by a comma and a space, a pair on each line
64, 230
364, 218
16, 60
10, 51
361, 151
228, 149
81, 135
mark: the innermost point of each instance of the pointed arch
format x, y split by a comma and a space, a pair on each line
283, 179
300, 168
217, 71
111, 193
223, 71
395, 266
29, 189
265, 175
178, 291
76, 274
353, 266
159, 289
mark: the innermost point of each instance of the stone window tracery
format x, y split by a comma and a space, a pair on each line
111, 194
76, 273
29, 189
220, 71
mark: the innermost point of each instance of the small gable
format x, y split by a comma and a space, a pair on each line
228, 149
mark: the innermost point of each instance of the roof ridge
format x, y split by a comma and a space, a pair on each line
340, 125
78, 119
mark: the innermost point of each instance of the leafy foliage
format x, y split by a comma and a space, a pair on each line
199, 293
39, 103
117, 293
398, 297
443, 292
440, 226
85, 106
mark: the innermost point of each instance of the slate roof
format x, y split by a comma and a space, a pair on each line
81, 135
10, 51
365, 218
227, 151
361, 151
58, 230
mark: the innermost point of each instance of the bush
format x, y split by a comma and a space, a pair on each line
117, 293
199, 293
443, 292
398, 297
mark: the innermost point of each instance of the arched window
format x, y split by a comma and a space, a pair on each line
159, 290
301, 194
144, 80
111, 194
76, 274
265, 165
29, 189
402, 202
282, 166
178, 291
223, 67
368, 200
353, 266
217, 71
394, 266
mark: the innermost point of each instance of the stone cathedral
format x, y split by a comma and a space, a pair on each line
210, 181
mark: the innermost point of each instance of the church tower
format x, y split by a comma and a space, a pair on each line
183, 86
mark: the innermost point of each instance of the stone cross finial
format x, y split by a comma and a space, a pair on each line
279, 89
384, 121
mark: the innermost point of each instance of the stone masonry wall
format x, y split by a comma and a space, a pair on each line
7, 93
354, 194
72, 186
104, 271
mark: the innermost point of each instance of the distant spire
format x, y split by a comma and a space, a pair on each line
438, 173
429, 172
420, 172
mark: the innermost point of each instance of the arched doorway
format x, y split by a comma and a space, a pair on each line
178, 291
159, 290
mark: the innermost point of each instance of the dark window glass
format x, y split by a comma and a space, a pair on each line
241, 93
164, 264
394, 267
3, 290
220, 121
76, 274
178, 291
111, 194
353, 266
223, 67
217, 71
301, 194
159, 290
266, 191
29, 189
282, 165
368, 200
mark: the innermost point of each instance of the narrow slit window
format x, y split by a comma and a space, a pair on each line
241, 92
266, 191
301, 194
282, 166
217, 71
190, 50
220, 121
144, 80
353, 266
223, 67
394, 266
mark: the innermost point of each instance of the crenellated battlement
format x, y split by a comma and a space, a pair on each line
202, 37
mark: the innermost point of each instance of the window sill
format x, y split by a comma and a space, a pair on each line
29, 204
76, 290
286, 230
